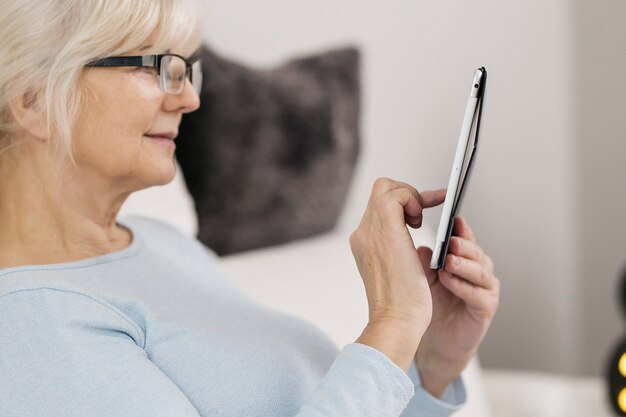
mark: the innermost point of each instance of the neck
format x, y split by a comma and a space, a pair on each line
46, 218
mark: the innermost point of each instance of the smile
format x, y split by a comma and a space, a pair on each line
165, 139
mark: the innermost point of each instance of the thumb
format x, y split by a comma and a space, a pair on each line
425, 254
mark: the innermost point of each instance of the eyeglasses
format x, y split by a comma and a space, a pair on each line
172, 69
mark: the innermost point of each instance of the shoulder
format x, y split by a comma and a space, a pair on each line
67, 352
48, 311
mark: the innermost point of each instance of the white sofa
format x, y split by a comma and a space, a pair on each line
315, 278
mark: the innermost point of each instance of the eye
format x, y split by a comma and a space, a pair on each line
148, 70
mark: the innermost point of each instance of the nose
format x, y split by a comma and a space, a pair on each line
185, 102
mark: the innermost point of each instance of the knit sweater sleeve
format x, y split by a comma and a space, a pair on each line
364, 382
423, 404
361, 382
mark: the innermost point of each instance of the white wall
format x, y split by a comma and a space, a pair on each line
600, 40
534, 192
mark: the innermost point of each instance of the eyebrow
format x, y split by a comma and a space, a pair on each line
167, 51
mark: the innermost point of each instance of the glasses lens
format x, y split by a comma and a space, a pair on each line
173, 74
196, 76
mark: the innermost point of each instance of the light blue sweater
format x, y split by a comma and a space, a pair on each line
156, 330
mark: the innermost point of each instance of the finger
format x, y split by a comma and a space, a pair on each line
399, 207
414, 222
462, 229
461, 288
470, 270
426, 199
409, 199
413, 203
433, 198
384, 184
465, 248
425, 254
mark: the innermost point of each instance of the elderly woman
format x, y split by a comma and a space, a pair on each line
107, 318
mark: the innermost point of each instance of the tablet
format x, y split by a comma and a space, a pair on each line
465, 151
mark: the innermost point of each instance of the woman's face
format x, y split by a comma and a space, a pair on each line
125, 128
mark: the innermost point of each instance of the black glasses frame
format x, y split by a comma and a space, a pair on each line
144, 61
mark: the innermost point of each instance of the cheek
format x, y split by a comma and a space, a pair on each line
115, 114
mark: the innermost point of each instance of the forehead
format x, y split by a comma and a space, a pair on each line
154, 44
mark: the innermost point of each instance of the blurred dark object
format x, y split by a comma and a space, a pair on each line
616, 373
269, 156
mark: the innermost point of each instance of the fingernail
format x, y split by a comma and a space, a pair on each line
455, 260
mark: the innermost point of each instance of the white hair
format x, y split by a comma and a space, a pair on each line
45, 44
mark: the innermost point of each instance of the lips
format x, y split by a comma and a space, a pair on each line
162, 135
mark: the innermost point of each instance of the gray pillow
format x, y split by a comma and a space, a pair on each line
269, 156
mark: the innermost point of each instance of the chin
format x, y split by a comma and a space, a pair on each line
164, 175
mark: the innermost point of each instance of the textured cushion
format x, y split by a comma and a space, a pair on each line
269, 156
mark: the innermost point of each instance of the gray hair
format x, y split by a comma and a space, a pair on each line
44, 45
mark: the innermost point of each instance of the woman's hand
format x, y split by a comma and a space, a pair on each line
398, 293
465, 295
